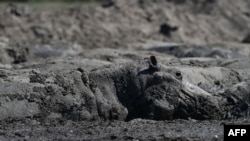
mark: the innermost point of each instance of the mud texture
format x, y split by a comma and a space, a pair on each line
154, 70
182, 21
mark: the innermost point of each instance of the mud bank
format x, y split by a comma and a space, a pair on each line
189, 22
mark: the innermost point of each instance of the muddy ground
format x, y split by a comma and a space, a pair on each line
124, 70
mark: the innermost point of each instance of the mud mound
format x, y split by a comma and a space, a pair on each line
194, 22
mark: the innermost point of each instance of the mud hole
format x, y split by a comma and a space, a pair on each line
124, 70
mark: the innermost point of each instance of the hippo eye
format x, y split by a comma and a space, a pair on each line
178, 74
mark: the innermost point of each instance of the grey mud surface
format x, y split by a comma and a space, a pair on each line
154, 70
138, 129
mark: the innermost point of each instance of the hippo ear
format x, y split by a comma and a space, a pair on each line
153, 62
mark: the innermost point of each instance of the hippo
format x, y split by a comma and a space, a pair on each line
148, 89
140, 89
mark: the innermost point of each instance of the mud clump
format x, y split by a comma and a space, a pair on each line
166, 29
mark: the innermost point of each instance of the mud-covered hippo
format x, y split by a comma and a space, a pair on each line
149, 90
141, 89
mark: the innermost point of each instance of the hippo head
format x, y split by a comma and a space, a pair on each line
164, 95
160, 89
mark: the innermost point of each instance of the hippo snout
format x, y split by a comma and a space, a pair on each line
160, 99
